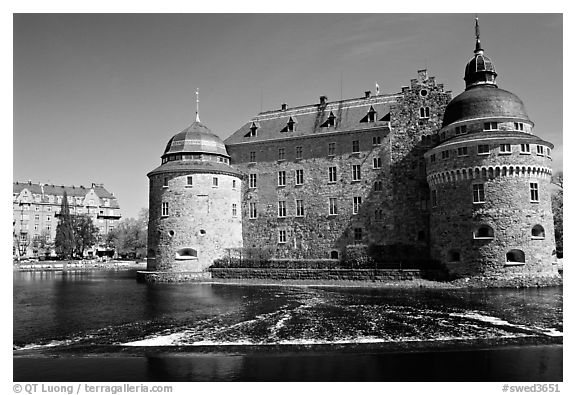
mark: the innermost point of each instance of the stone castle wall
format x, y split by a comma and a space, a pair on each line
200, 218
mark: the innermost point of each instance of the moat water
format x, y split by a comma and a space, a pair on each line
104, 326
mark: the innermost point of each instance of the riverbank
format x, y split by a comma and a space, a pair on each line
78, 265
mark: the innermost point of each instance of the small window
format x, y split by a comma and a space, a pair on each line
505, 149
189, 181
214, 182
534, 192
356, 175
333, 254
298, 152
333, 206
253, 212
281, 178
547, 151
478, 193
446, 154
164, 209
357, 235
165, 185
371, 116
518, 126
423, 92
253, 130
233, 184
463, 151
332, 174
330, 121
252, 156
376, 140
490, 125
234, 209
202, 232
460, 130
282, 236
377, 163
483, 149
252, 180
540, 149
433, 158
299, 177
331, 149
281, 154
524, 148
434, 197
299, 208
515, 256
424, 112
357, 202
356, 146
538, 232
291, 125
484, 232
282, 209
378, 186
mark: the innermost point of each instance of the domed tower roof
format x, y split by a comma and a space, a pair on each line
482, 97
196, 139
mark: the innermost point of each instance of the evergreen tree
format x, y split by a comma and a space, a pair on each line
64, 241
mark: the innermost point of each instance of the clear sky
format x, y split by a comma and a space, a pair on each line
98, 96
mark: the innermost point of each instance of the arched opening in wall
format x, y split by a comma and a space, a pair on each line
453, 256
334, 254
538, 232
484, 232
186, 253
515, 257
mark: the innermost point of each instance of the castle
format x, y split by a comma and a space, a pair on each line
415, 176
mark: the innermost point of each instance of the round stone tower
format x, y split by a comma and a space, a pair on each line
195, 212
490, 179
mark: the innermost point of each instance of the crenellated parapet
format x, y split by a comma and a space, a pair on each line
489, 172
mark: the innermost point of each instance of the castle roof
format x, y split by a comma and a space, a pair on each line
314, 119
511, 137
194, 166
196, 139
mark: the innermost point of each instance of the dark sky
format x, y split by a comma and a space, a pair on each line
98, 96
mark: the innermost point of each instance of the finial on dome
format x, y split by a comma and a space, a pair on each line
197, 105
478, 49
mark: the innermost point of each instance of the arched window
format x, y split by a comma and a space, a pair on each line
515, 256
333, 254
186, 254
453, 256
484, 232
538, 232
424, 112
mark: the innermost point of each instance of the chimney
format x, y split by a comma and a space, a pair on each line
323, 99
284, 106
367, 94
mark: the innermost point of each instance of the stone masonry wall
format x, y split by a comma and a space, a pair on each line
317, 274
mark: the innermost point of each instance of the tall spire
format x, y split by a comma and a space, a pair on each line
478, 49
197, 105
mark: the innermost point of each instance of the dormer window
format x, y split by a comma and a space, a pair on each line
291, 125
253, 130
425, 112
370, 116
518, 126
330, 121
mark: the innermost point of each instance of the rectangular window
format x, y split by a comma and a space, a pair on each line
164, 209
281, 155
518, 126
299, 177
377, 163
332, 174
540, 149
252, 181
252, 156
331, 149
376, 140
282, 236
233, 184
356, 146
463, 151
49, 208
282, 209
36, 217
356, 175
505, 149
490, 125
37, 208
357, 235
460, 130
524, 148
534, 192
483, 149
357, 202
48, 227
433, 158
189, 181
299, 208
214, 182
478, 193
434, 197
234, 210
298, 152
547, 151
378, 185
281, 178
165, 185
333, 206
253, 212
445, 154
